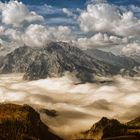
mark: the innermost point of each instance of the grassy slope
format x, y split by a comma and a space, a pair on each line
22, 123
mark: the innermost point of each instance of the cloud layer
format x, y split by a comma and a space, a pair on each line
109, 18
101, 40
108, 25
131, 49
77, 106
15, 13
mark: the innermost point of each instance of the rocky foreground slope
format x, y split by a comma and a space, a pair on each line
54, 60
22, 123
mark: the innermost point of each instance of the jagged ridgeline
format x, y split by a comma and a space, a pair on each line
53, 60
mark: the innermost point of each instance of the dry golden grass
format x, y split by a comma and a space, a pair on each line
12, 112
22, 123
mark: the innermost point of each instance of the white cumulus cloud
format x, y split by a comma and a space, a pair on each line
101, 40
37, 35
15, 13
21, 25
104, 17
69, 13
131, 49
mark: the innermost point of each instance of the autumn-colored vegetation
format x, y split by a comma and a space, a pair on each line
22, 123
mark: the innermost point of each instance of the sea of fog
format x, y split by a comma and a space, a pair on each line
78, 106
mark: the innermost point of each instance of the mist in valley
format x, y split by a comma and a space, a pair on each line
78, 106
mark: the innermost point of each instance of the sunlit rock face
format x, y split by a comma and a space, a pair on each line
16, 61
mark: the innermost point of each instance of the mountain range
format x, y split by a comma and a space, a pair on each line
54, 60
57, 58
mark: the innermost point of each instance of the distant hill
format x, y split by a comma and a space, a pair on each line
108, 57
128, 65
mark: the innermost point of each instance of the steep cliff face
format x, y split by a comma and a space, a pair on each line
54, 60
22, 123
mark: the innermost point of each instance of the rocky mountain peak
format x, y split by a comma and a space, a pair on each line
53, 60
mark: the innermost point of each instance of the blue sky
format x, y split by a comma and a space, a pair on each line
52, 10
55, 16
75, 3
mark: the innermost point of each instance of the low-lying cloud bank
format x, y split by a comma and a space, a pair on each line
78, 105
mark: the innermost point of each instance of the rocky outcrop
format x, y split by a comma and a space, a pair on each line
22, 123
105, 128
111, 129
50, 113
135, 122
